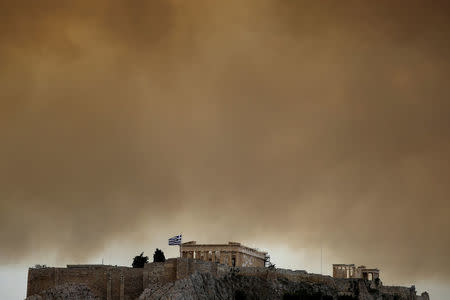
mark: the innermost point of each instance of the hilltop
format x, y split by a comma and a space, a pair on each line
185, 278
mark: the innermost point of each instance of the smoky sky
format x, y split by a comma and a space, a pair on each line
303, 122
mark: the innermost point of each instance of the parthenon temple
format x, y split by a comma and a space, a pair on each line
231, 254
350, 271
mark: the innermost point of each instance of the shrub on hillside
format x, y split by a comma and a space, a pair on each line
139, 261
158, 256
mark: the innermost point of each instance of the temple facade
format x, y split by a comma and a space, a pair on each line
231, 254
350, 271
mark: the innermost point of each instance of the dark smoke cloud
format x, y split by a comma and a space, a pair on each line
304, 123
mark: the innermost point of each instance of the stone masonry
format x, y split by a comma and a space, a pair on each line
350, 271
124, 283
231, 254
121, 283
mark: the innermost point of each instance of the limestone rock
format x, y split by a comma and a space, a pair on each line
66, 292
235, 286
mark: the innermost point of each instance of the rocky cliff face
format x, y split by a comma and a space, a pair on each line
207, 280
66, 291
237, 286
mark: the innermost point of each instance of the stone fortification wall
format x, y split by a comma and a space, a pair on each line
400, 290
106, 282
343, 287
40, 280
110, 282
294, 276
133, 283
187, 267
160, 273
259, 283
121, 283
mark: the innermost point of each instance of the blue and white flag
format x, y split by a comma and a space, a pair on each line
176, 240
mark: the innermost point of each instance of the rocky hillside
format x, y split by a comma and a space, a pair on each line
237, 286
66, 291
250, 283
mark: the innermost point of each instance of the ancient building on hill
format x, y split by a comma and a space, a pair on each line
122, 283
188, 278
231, 254
350, 271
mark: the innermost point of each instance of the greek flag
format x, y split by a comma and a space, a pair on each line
176, 240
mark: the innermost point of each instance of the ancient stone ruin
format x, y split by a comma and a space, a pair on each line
226, 271
232, 254
350, 271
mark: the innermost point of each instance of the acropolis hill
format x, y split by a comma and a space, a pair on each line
213, 271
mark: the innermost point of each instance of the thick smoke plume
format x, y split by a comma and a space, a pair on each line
300, 122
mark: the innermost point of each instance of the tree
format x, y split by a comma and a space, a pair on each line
158, 256
139, 261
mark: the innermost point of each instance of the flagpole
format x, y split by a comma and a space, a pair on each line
176, 240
